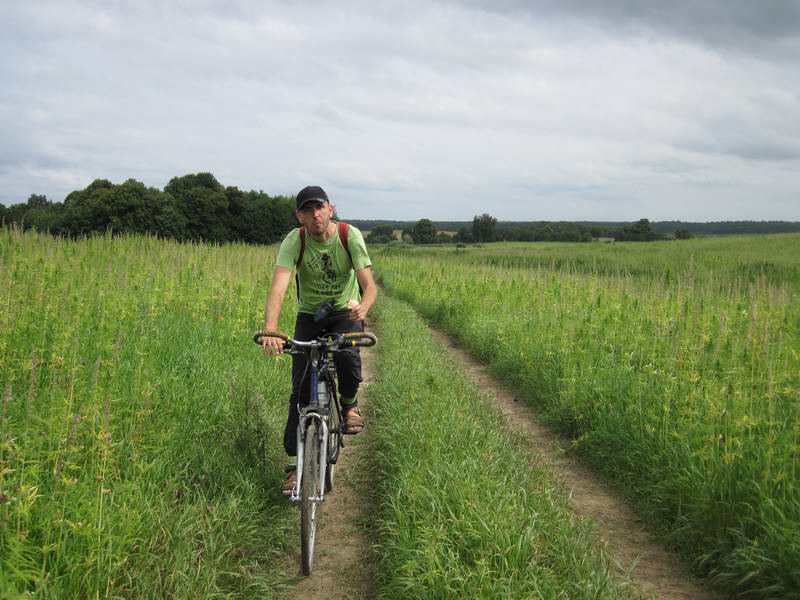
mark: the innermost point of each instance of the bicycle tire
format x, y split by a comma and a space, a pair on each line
333, 448
309, 489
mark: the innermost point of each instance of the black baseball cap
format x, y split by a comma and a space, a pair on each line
311, 193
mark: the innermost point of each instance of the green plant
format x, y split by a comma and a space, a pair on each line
139, 443
674, 368
462, 513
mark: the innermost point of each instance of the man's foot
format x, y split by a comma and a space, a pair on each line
287, 487
353, 421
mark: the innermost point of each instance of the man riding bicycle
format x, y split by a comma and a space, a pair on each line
333, 266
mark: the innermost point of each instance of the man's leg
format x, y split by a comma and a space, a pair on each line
305, 329
348, 365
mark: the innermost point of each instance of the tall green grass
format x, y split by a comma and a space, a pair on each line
140, 428
686, 390
463, 512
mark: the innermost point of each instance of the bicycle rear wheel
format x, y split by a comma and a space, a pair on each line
309, 490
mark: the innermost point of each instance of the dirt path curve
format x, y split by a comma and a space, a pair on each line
343, 559
654, 570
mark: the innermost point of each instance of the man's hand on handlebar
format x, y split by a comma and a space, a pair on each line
272, 345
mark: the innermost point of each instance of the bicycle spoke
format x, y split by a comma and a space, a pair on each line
309, 497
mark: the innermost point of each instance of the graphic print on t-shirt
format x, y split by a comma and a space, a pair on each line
325, 274
327, 268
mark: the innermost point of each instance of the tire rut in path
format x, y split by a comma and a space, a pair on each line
655, 571
343, 563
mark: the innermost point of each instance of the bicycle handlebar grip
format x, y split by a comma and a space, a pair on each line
360, 338
262, 334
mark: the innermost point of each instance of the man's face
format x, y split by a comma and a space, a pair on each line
315, 216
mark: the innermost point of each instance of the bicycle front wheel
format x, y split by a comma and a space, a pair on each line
309, 492
334, 441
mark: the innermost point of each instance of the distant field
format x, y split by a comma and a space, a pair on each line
674, 367
730, 260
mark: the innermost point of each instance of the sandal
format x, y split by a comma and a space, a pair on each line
287, 487
353, 421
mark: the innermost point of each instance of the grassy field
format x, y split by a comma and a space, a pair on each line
141, 442
724, 261
462, 511
140, 429
674, 367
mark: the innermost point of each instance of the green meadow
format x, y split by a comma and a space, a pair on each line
673, 367
463, 511
140, 428
140, 438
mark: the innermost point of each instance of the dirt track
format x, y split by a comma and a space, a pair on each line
343, 559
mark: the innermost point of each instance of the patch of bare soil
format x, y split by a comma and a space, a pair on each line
654, 570
343, 563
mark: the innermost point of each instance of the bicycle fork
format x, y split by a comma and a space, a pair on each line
323, 457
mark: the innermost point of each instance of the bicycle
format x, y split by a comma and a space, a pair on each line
319, 432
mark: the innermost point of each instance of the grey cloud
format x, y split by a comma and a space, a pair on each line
23, 148
734, 143
760, 127
741, 25
543, 110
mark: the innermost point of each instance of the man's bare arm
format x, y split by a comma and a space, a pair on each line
272, 308
369, 293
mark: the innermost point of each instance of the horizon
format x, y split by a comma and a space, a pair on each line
577, 222
468, 220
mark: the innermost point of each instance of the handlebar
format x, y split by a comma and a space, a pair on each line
262, 334
340, 341
359, 338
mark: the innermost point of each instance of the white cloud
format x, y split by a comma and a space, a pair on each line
413, 110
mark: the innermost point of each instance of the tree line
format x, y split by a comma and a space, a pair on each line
583, 230
191, 207
484, 229
197, 207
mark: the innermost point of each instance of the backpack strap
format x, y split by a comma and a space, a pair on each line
302, 246
344, 228
299, 258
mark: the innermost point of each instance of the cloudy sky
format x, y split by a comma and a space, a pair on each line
529, 109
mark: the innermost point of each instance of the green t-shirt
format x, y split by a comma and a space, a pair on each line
326, 272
